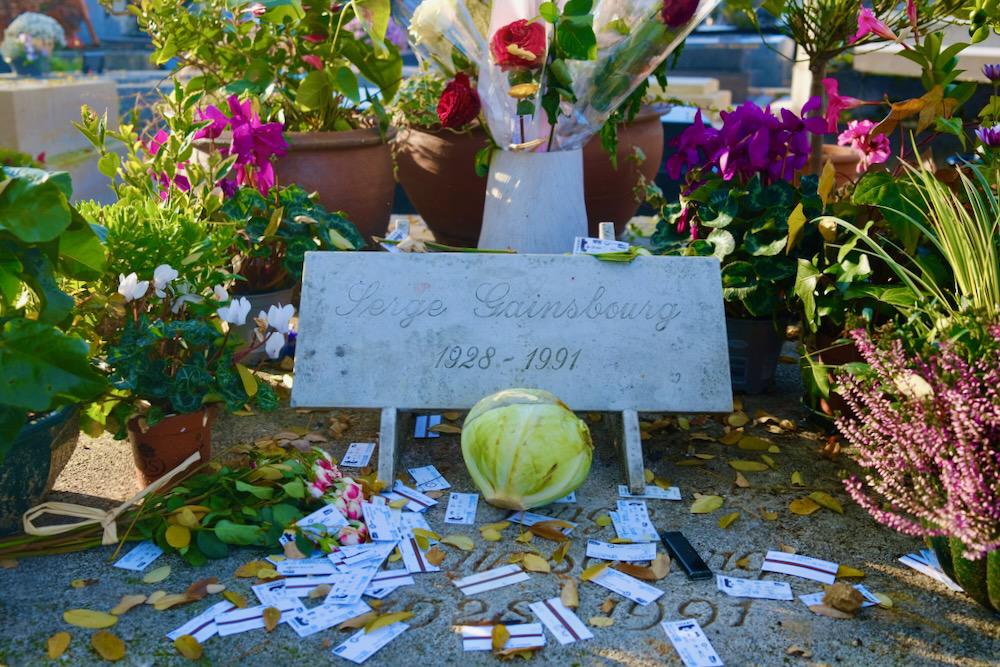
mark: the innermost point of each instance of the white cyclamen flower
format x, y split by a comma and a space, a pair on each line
275, 343
279, 317
163, 275
236, 312
220, 293
131, 287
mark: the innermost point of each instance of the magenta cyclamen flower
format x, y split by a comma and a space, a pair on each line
868, 24
927, 434
835, 103
872, 149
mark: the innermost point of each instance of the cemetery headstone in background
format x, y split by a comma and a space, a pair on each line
440, 331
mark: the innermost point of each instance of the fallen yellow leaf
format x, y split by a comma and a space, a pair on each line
797, 479
604, 520
524, 537
128, 602
738, 419
157, 575
87, 618
236, 599
320, 591
743, 563
272, 616
768, 516
57, 644
533, 563
731, 438
752, 443
155, 597
359, 621
706, 504
594, 570
459, 541
387, 619
748, 466
172, 600
601, 621
188, 647
267, 573
499, 526
847, 572
826, 500
803, 506
728, 520
445, 428
648, 475
742, 481
398, 504
769, 461
500, 635
490, 534
883, 600
559, 555
108, 646
434, 556
178, 536
569, 594
250, 570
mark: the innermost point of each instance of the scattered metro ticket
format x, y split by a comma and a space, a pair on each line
568, 499
561, 621
351, 556
822, 571
407, 521
378, 518
324, 616
691, 643
428, 478
632, 521
252, 618
921, 564
752, 588
397, 234
362, 645
640, 551
627, 586
348, 588
462, 508
270, 593
202, 627
651, 493
415, 501
305, 567
498, 577
139, 558
386, 581
326, 519
423, 424
522, 635
358, 455
531, 518
583, 245
413, 557
813, 599
299, 587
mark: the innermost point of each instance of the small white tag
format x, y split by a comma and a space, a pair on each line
813, 599
564, 625
387, 581
362, 645
139, 558
627, 586
462, 508
413, 557
326, 519
643, 551
750, 588
378, 518
415, 501
632, 521
568, 499
428, 478
491, 579
651, 493
822, 571
918, 563
397, 234
358, 455
691, 643
583, 245
406, 521
202, 627
523, 635
252, 618
531, 518
271, 593
305, 568
323, 617
422, 425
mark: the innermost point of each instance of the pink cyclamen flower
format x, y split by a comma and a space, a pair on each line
911, 13
868, 24
872, 149
835, 104
353, 533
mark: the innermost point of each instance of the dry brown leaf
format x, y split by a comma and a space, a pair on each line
385, 620
533, 563
743, 563
803, 506
157, 575
524, 537
108, 645
787, 549
83, 583
798, 651
128, 602
238, 600
637, 571
188, 647
551, 530
742, 481
199, 589
155, 597
320, 591
594, 570
250, 570
88, 618
452, 416
844, 597
570, 595
559, 555
272, 616
499, 636
434, 556
8, 563
172, 600
57, 644
601, 621
738, 419
731, 438
434, 494
767, 515
459, 541
358, 622
292, 551
829, 612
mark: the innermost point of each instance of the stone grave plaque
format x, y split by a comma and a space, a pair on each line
420, 331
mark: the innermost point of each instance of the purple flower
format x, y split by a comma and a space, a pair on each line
695, 146
992, 72
873, 149
835, 104
868, 24
989, 136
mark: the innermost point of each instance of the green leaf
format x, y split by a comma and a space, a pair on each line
210, 545
41, 366
315, 92
39, 274
576, 39
723, 242
295, 488
262, 492
82, 256
34, 212
347, 84
578, 7
894, 198
284, 514
249, 381
806, 279
11, 422
238, 534
549, 11
108, 164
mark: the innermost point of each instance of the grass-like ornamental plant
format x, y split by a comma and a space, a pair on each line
926, 430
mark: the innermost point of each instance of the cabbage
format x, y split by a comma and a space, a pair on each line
524, 448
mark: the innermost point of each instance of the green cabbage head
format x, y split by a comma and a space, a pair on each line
524, 448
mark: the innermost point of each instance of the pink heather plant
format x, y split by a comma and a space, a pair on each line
927, 433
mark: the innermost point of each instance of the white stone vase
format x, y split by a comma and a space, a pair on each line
534, 202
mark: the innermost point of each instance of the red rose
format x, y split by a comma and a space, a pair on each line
678, 12
519, 45
459, 104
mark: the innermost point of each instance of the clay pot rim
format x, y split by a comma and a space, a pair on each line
368, 136
840, 154
133, 425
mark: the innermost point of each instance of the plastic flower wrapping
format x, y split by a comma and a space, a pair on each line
574, 61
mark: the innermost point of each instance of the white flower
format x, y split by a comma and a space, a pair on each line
163, 275
275, 343
220, 293
131, 287
279, 317
183, 300
236, 312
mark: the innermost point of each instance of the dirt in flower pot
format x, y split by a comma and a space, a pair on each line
162, 447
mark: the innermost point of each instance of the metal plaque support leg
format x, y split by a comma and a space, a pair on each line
391, 434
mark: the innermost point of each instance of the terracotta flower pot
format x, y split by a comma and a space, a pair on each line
845, 160
164, 446
351, 171
437, 172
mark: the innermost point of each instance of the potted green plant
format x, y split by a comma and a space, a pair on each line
322, 70
740, 204
46, 368
28, 43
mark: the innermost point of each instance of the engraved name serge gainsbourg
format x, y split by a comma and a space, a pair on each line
494, 300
